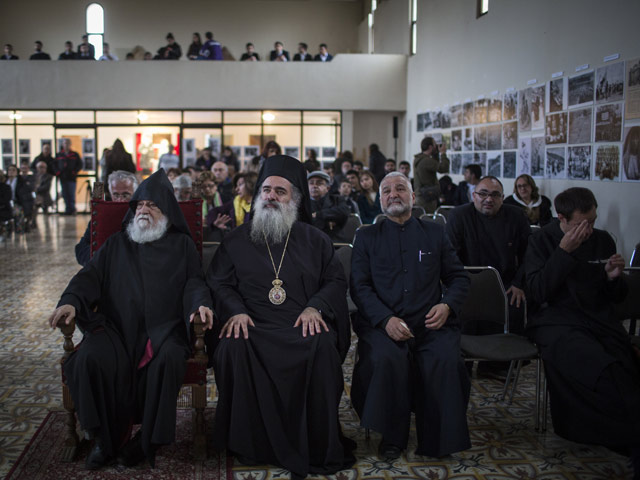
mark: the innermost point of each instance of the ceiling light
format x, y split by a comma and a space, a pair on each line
142, 116
15, 116
268, 117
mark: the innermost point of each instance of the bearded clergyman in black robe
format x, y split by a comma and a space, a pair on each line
409, 286
134, 301
280, 293
592, 370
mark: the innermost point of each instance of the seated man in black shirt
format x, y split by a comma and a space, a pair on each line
250, 54
329, 212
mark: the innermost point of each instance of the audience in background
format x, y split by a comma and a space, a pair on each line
464, 193
389, 166
250, 54
43, 188
68, 164
106, 55
235, 212
279, 54
6, 212
117, 158
29, 186
206, 160
68, 53
223, 180
376, 162
303, 55
431, 160
231, 160
323, 54
90, 49
211, 49
346, 193
171, 51
85, 54
447, 190
354, 179
173, 173
358, 166
39, 54
8, 53
527, 196
311, 164
21, 199
194, 48
208, 192
329, 212
45, 156
369, 199
404, 168
182, 187
169, 159
270, 149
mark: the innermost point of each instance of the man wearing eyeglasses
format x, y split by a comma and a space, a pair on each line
486, 232
122, 185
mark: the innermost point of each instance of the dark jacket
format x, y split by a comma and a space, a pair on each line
68, 164
273, 55
307, 58
540, 215
368, 211
330, 214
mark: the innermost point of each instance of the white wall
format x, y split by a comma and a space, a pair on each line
350, 82
376, 127
462, 57
146, 22
391, 27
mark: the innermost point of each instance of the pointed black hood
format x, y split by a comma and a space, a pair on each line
159, 190
293, 170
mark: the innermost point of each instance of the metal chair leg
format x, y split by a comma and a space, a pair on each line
545, 396
515, 381
507, 380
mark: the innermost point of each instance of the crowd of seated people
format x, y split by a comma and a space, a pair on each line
210, 49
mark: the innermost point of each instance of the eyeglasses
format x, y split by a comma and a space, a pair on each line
121, 196
494, 195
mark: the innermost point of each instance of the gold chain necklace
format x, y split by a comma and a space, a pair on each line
277, 295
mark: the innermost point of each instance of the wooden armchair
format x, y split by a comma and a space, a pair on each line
106, 219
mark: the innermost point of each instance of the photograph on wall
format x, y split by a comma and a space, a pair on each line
632, 105
536, 104
445, 122
189, 153
24, 146
510, 106
467, 140
509, 165
580, 125
292, 152
6, 162
510, 135
480, 110
480, 158
427, 120
89, 163
556, 95
607, 163
524, 109
556, 163
609, 122
237, 151
556, 128
495, 110
420, 122
23, 160
328, 152
480, 138
494, 137
445, 137
456, 116
537, 157
631, 154
436, 118
610, 83
494, 163
250, 151
456, 163
523, 164
581, 89
7, 146
579, 163
467, 159
88, 146
467, 114
45, 141
456, 140
214, 145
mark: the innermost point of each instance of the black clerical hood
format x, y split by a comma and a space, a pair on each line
159, 190
293, 170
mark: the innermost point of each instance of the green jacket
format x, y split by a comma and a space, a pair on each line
425, 168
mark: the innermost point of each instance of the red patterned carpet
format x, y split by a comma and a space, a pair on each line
41, 457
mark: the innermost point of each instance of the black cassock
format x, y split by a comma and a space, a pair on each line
278, 391
128, 297
397, 270
593, 374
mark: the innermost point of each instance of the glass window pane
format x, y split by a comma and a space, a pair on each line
77, 116
120, 116
6, 116
324, 139
6, 146
98, 44
31, 138
287, 137
321, 117
242, 117
32, 116
280, 116
202, 117
247, 138
152, 116
202, 137
95, 18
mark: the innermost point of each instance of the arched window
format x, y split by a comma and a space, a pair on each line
95, 27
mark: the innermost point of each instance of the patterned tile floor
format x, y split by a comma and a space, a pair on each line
34, 270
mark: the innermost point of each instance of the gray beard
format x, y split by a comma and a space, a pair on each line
272, 223
140, 231
396, 210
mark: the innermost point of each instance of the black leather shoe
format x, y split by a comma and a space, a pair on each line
132, 454
97, 458
388, 451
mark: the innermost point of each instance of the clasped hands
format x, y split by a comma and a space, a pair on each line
310, 319
398, 330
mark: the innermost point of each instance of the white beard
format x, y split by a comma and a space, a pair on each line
272, 223
141, 230
396, 209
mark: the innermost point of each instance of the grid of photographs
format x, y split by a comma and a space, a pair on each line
583, 126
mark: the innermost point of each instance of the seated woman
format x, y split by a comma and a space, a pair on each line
526, 196
235, 212
369, 199
22, 199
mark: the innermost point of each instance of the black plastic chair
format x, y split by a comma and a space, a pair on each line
435, 218
350, 227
